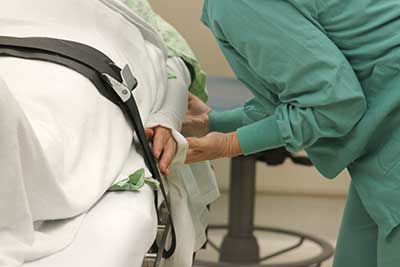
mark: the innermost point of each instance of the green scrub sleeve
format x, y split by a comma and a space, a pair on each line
230, 120
318, 91
259, 136
225, 121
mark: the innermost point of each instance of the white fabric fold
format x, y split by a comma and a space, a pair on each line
174, 105
192, 188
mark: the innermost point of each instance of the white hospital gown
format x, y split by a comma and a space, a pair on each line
63, 144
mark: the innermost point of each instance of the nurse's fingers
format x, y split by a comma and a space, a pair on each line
192, 97
187, 121
167, 156
195, 143
194, 156
161, 137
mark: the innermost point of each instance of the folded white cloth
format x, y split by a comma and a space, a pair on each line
192, 189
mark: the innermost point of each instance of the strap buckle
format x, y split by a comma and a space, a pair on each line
124, 89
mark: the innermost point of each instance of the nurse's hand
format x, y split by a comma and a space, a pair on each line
196, 118
212, 146
164, 146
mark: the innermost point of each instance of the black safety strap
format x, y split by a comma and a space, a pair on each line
81, 53
71, 64
94, 65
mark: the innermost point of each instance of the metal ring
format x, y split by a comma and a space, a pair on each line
326, 251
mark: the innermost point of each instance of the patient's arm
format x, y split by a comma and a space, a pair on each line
175, 42
173, 103
165, 123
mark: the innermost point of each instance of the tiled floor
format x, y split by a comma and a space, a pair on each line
315, 215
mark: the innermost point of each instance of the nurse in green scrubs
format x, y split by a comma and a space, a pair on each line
325, 75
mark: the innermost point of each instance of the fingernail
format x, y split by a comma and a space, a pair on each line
162, 166
166, 172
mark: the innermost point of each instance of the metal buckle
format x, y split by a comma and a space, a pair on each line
124, 89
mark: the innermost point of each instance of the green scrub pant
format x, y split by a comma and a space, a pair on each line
360, 243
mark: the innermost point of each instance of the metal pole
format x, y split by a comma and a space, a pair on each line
240, 244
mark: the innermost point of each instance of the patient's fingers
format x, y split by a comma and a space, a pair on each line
167, 156
149, 133
161, 138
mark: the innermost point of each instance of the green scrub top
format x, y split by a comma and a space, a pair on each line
326, 78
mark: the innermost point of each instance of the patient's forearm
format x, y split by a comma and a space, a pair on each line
174, 105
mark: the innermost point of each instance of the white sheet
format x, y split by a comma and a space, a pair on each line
116, 232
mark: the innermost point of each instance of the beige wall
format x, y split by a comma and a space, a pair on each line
288, 179
184, 15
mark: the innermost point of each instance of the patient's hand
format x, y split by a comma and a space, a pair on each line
164, 146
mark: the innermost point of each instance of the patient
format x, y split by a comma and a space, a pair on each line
63, 144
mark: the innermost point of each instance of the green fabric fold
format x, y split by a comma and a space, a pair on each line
176, 44
135, 182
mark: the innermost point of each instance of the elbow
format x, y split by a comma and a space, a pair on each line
339, 119
302, 127
360, 108
357, 111
350, 114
